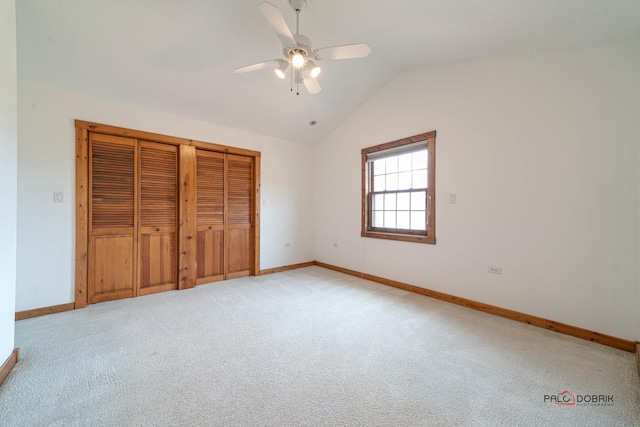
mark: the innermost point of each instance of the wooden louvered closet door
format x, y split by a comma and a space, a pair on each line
157, 227
112, 219
164, 216
239, 208
210, 216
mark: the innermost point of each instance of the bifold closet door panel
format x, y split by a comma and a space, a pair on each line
210, 195
158, 207
112, 218
239, 208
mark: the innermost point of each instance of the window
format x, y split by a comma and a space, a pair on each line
398, 189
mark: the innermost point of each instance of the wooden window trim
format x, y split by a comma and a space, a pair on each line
188, 228
406, 236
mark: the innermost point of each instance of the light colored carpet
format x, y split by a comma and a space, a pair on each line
308, 347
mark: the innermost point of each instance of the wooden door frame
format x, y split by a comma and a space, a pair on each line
186, 223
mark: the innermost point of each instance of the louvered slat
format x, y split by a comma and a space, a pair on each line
210, 190
112, 185
158, 187
239, 176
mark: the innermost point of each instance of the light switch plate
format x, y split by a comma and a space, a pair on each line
58, 197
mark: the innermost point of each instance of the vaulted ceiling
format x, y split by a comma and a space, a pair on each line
178, 56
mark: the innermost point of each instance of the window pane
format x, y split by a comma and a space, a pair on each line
418, 200
392, 164
418, 220
420, 178
378, 167
419, 159
378, 218
403, 202
389, 219
404, 180
378, 183
378, 200
390, 202
403, 219
404, 162
392, 182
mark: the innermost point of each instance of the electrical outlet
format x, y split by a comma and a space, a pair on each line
452, 198
286, 245
58, 197
495, 270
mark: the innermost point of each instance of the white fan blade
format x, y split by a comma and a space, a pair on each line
312, 85
276, 21
348, 51
258, 66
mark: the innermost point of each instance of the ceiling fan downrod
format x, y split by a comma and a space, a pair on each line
298, 6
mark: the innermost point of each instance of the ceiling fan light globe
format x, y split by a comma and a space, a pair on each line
281, 70
297, 60
314, 70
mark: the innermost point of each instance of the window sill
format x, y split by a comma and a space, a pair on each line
400, 237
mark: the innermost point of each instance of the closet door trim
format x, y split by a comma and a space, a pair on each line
165, 139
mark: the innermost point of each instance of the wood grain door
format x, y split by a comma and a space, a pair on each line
156, 211
157, 218
239, 208
112, 222
210, 197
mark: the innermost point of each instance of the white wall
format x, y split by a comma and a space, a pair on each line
542, 152
46, 164
8, 174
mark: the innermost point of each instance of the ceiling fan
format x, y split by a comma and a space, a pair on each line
298, 52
